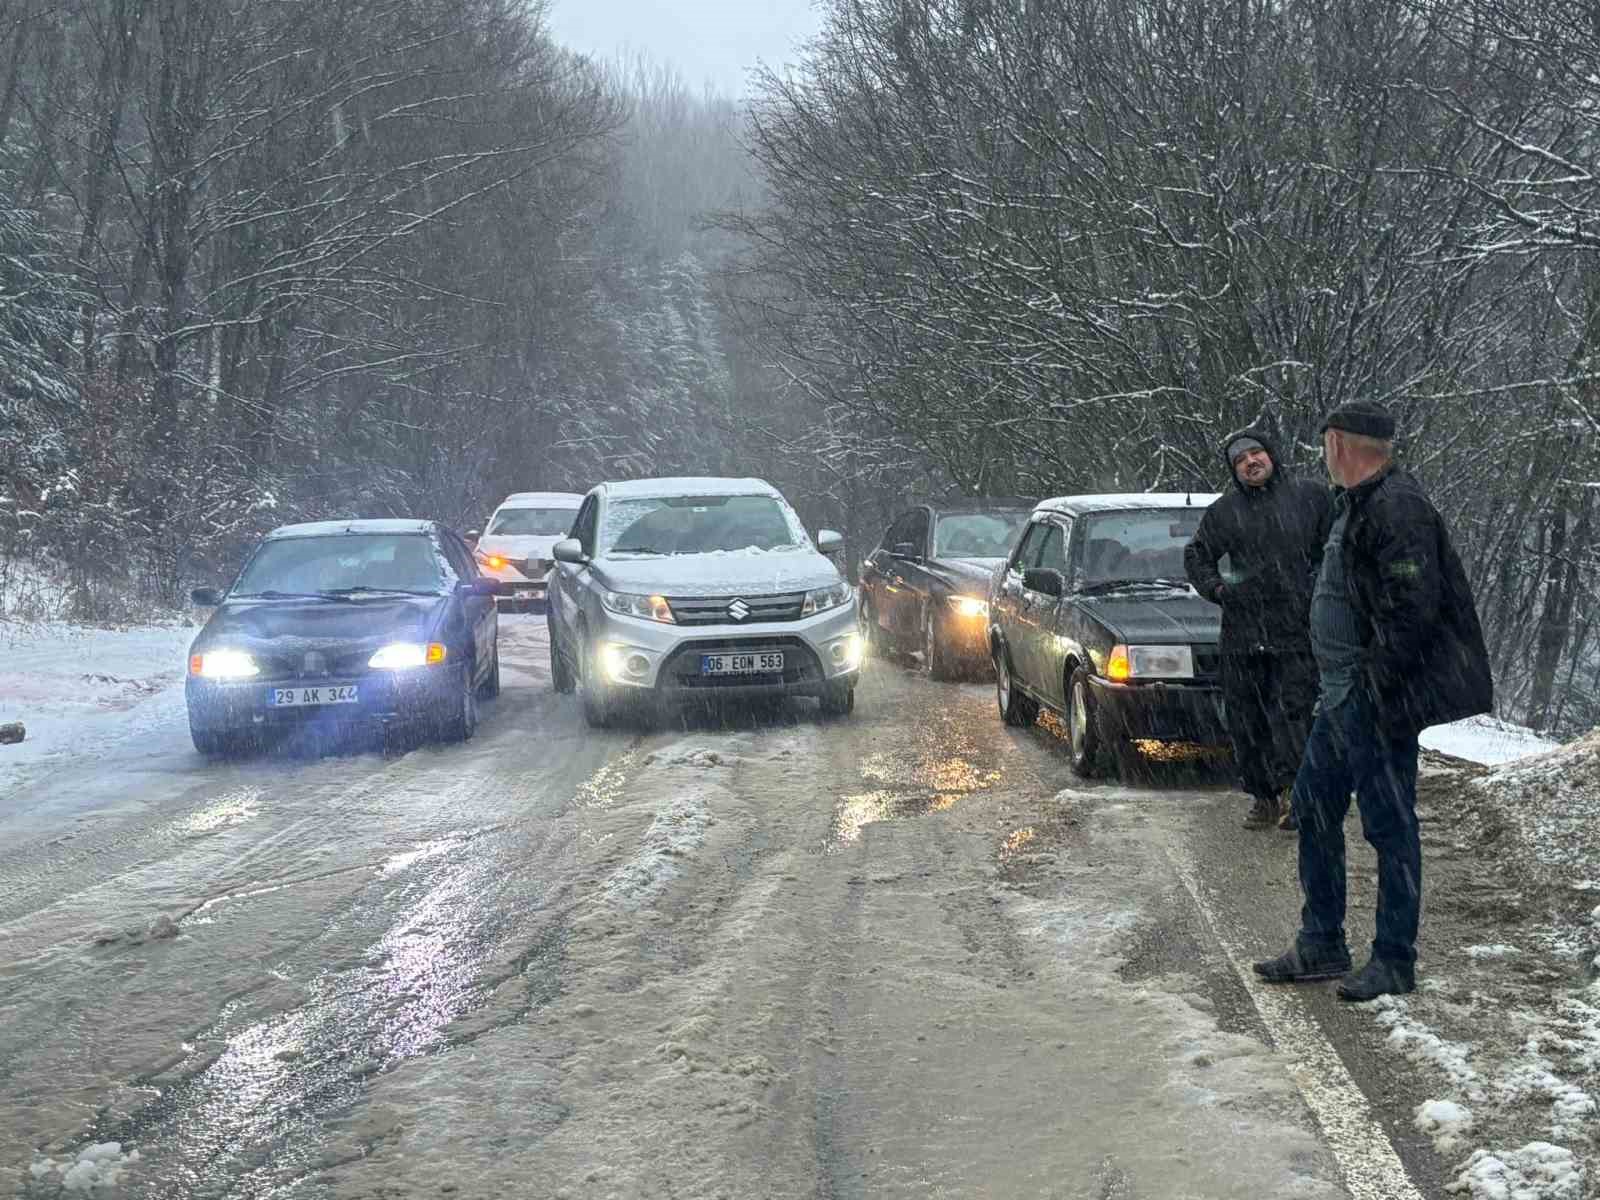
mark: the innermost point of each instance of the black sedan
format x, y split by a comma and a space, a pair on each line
344, 625
1093, 618
925, 589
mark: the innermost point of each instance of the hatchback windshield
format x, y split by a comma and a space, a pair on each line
976, 534
345, 562
699, 525
532, 522
1145, 544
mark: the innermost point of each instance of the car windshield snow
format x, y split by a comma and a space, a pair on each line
699, 525
976, 534
531, 522
343, 563
1138, 546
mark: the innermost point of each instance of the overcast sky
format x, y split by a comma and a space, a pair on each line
706, 40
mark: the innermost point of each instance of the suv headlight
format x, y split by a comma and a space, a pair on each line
822, 599
1150, 662
649, 608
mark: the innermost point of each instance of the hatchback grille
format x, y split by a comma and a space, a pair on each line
328, 664
736, 610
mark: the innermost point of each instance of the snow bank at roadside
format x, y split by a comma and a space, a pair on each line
81, 690
100, 1166
1485, 740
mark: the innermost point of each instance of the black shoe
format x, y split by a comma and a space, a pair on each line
1288, 821
1380, 977
1302, 963
1263, 813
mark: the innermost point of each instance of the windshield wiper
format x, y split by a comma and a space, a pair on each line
1113, 585
269, 594
346, 592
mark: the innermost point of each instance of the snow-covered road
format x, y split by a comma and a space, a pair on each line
897, 955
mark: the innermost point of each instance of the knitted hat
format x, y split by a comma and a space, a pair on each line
1361, 416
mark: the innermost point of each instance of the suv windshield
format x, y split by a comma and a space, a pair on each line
531, 522
699, 525
977, 534
1144, 545
403, 562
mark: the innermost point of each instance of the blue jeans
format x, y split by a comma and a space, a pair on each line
1345, 753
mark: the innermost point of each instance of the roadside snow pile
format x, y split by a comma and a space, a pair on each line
102, 1165
1446, 1122
77, 689
1419, 1044
1553, 801
1539, 1171
1486, 740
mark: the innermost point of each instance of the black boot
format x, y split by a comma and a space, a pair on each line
1263, 813
1287, 819
1305, 962
1380, 977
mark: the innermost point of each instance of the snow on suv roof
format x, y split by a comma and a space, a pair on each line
352, 525
542, 500
687, 485
1122, 502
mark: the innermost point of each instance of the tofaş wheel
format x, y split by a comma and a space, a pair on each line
1015, 708
1086, 748
459, 720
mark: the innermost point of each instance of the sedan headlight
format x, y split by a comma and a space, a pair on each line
401, 656
648, 608
1150, 662
822, 599
969, 606
223, 664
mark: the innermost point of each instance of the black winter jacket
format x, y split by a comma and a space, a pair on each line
1273, 536
1426, 662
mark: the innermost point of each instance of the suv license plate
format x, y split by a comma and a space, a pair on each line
770, 663
297, 697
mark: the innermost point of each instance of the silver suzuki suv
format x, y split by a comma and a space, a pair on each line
679, 590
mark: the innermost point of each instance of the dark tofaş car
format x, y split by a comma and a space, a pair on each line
1093, 618
346, 625
925, 589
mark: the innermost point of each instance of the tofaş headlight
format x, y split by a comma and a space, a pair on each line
403, 656
822, 599
1150, 662
969, 606
648, 608
223, 664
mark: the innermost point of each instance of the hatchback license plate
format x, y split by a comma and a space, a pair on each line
297, 697
767, 663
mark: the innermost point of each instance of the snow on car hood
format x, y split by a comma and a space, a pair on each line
720, 573
527, 545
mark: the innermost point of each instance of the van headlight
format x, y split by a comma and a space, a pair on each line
648, 608
822, 599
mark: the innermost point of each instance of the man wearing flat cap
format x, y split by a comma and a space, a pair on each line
1271, 527
1398, 648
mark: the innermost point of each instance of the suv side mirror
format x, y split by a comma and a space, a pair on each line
207, 597
905, 550
569, 550
1044, 580
829, 541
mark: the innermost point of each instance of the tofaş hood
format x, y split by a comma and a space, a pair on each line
1268, 443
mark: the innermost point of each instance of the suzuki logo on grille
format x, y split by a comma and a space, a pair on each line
314, 664
738, 610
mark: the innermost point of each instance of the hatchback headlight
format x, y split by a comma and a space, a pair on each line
1150, 662
969, 606
649, 608
403, 656
822, 599
223, 664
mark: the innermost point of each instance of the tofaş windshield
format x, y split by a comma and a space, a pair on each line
977, 534
1138, 546
531, 522
405, 562
699, 525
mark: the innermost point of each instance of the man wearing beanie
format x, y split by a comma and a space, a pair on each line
1398, 648
1271, 527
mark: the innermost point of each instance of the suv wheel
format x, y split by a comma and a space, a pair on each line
561, 677
839, 700
1015, 708
597, 704
1086, 749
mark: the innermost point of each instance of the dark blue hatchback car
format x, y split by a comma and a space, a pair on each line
346, 625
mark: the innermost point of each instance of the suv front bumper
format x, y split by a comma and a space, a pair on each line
644, 658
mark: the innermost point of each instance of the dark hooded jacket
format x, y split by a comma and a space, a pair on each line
1425, 663
1273, 538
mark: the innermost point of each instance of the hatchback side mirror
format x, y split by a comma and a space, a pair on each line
482, 587
829, 541
1044, 580
905, 550
207, 597
472, 537
569, 550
